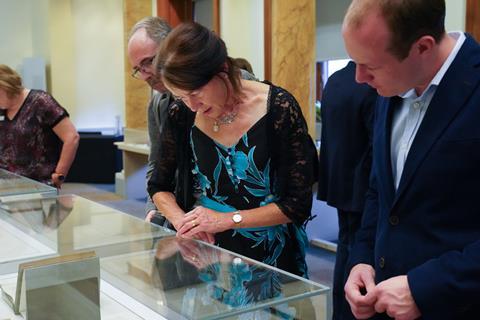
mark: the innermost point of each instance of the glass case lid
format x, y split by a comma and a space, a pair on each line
12, 184
39, 227
188, 279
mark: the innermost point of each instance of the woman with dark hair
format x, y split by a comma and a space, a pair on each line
237, 163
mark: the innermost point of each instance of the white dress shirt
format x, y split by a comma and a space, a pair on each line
409, 115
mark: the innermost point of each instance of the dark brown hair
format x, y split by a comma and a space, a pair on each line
10, 81
191, 55
407, 20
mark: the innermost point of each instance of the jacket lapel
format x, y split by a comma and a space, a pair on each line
450, 97
385, 108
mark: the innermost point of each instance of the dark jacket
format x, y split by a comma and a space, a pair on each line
429, 229
346, 146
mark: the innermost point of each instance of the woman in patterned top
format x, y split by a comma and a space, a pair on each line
38, 140
237, 163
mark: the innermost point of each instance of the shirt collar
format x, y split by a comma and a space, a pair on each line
460, 39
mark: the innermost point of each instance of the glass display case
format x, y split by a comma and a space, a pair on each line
189, 279
146, 272
14, 186
59, 225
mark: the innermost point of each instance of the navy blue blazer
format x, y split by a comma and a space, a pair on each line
430, 228
346, 149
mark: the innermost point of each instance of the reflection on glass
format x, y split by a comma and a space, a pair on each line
199, 281
68, 223
12, 184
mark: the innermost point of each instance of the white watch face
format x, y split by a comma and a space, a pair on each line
237, 218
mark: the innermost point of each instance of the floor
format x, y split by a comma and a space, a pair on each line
320, 261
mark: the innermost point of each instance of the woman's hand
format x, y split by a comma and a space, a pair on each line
203, 220
57, 179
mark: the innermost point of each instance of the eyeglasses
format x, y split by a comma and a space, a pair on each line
189, 95
142, 68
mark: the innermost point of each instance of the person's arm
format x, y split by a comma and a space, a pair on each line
155, 106
296, 158
360, 286
166, 203
447, 283
163, 165
202, 219
66, 131
360, 280
295, 203
162, 183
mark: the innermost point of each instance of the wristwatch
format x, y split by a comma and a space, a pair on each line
237, 217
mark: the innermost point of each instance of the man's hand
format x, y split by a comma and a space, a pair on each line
395, 298
361, 278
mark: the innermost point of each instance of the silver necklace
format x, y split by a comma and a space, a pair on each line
225, 119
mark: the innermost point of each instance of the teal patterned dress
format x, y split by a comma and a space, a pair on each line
238, 177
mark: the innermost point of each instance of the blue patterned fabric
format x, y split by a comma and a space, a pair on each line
229, 178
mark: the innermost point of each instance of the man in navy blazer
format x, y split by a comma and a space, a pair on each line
417, 253
345, 162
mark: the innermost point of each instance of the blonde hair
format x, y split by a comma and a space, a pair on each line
10, 81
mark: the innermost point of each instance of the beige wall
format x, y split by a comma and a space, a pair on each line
15, 15
62, 55
82, 44
241, 27
456, 12
99, 54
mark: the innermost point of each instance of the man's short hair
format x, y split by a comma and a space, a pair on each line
157, 29
407, 20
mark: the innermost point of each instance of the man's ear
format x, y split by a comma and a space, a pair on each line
424, 45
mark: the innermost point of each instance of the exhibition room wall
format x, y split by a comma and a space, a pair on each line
81, 43
241, 26
330, 16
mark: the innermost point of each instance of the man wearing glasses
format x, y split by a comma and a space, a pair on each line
144, 40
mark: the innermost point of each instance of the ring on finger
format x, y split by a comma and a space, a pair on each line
194, 223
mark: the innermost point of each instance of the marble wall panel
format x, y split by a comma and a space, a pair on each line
293, 52
137, 92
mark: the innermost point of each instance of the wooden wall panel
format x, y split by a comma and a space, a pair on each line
175, 11
267, 31
473, 18
137, 92
293, 52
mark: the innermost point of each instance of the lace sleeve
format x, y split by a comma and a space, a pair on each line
163, 174
295, 155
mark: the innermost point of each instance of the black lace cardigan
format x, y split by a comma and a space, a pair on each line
293, 156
